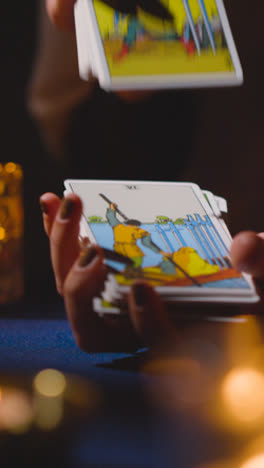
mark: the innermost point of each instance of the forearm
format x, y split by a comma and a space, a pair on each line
54, 88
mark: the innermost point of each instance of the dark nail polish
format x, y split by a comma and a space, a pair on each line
66, 208
87, 256
139, 293
43, 206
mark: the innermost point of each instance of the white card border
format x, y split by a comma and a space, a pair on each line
168, 290
166, 81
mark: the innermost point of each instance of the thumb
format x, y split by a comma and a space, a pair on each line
148, 314
247, 253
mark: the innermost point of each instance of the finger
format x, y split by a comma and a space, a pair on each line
92, 333
61, 13
148, 315
82, 284
64, 238
247, 253
84, 242
49, 205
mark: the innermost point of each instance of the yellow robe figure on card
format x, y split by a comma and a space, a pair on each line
126, 236
192, 263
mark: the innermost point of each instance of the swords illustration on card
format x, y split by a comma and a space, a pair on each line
156, 44
170, 234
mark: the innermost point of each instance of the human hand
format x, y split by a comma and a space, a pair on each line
61, 13
113, 206
80, 274
247, 255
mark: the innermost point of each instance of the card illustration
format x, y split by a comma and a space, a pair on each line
165, 37
186, 251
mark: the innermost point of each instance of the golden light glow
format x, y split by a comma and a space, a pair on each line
2, 187
50, 383
48, 412
10, 167
2, 233
16, 410
254, 462
243, 394
242, 340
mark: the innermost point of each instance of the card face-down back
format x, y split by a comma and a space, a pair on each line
170, 234
159, 44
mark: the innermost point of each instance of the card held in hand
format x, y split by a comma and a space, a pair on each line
169, 234
156, 44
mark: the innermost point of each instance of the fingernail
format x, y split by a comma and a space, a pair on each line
43, 207
84, 242
66, 208
86, 256
139, 293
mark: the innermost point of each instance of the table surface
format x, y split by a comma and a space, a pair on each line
131, 431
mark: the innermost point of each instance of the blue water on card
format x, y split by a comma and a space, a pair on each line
167, 241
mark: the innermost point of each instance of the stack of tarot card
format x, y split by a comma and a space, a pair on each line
156, 44
171, 234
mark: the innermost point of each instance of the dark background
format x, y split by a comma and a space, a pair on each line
20, 141
212, 137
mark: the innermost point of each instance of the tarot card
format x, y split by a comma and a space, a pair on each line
219, 207
83, 38
171, 236
103, 307
218, 204
221, 203
169, 44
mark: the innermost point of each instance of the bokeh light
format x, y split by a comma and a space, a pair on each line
242, 340
16, 410
2, 233
256, 461
50, 383
10, 167
243, 394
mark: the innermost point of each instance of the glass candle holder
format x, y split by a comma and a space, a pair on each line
11, 233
